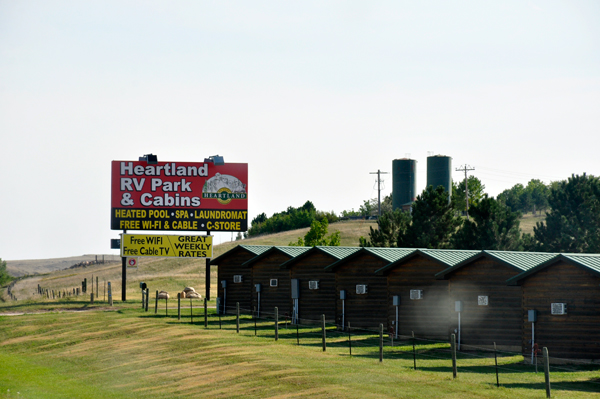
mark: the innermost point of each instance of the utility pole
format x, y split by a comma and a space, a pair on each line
465, 169
378, 173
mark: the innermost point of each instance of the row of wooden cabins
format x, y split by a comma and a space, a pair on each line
510, 298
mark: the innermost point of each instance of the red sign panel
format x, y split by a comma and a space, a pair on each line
196, 196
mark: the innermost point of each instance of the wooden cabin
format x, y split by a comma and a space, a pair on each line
417, 301
565, 294
491, 310
317, 294
234, 280
365, 303
273, 281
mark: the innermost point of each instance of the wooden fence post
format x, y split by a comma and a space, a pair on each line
276, 324
179, 306
414, 351
453, 347
237, 317
496, 361
547, 371
147, 297
205, 313
349, 339
110, 300
380, 342
156, 303
324, 332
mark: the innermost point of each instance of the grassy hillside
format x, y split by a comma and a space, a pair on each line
134, 354
169, 274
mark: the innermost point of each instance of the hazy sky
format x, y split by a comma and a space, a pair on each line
312, 95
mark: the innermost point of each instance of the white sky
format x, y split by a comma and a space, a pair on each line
313, 95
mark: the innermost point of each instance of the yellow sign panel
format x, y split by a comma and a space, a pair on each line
166, 246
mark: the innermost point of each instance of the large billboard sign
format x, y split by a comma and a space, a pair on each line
166, 246
179, 196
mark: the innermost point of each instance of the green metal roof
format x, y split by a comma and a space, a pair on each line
521, 260
591, 261
292, 252
255, 249
386, 254
336, 252
587, 261
450, 257
391, 254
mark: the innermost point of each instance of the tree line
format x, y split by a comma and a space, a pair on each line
290, 219
572, 223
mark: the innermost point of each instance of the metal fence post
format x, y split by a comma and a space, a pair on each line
453, 347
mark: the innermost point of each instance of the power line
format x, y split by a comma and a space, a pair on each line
378, 173
465, 169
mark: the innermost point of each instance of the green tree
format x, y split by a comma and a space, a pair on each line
433, 221
512, 197
4, 276
389, 227
573, 223
317, 236
539, 193
476, 192
493, 225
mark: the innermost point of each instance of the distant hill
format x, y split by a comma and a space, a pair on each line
350, 231
40, 266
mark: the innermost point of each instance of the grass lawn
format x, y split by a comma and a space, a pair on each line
131, 353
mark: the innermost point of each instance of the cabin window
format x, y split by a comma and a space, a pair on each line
273, 282
237, 278
361, 289
313, 285
482, 300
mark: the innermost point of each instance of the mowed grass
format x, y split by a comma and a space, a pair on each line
132, 353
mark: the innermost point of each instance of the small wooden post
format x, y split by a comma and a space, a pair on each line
254, 317
349, 339
92, 297
380, 343
97, 292
105, 290
147, 297
205, 313
110, 301
237, 317
143, 299
297, 335
191, 312
496, 361
324, 332
276, 324
166, 307
547, 372
179, 306
156, 303
453, 348
414, 351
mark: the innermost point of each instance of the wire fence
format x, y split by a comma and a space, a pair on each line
494, 366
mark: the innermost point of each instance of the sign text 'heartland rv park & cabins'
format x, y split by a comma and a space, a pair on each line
179, 196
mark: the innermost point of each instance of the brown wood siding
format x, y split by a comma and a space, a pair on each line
312, 304
427, 317
263, 271
236, 292
575, 335
502, 320
362, 311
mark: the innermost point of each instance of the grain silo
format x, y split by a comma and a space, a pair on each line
439, 172
404, 182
